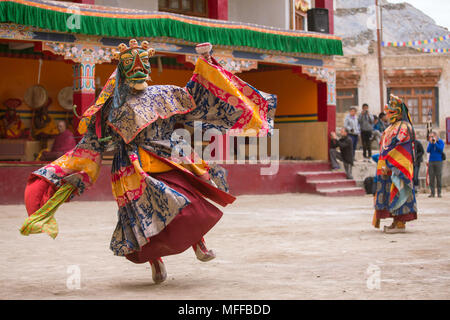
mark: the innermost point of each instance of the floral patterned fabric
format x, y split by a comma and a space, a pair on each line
144, 107
238, 98
145, 208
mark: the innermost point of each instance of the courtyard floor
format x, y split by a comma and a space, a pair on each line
290, 246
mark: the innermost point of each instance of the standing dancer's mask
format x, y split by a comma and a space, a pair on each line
396, 110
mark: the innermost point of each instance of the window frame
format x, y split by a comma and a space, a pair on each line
355, 98
420, 97
194, 13
298, 15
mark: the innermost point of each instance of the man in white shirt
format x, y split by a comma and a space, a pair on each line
352, 126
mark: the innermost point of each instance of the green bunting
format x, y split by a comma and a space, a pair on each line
157, 27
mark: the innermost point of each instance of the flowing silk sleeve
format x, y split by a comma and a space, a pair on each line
57, 182
224, 101
80, 166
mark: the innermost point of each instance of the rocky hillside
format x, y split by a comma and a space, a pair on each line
355, 23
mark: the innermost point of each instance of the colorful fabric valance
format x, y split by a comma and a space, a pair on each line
129, 23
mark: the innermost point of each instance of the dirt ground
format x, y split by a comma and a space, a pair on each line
290, 246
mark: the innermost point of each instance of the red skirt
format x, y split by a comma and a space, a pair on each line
186, 229
385, 214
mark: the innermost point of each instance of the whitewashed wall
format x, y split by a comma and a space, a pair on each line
444, 94
368, 90
273, 13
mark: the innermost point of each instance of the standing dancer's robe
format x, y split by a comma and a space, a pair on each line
162, 203
395, 194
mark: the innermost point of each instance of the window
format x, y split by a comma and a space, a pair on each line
299, 21
300, 12
421, 103
188, 7
345, 99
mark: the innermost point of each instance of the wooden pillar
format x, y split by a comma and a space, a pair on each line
326, 92
327, 4
83, 88
322, 108
218, 9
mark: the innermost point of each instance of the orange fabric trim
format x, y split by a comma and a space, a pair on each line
151, 164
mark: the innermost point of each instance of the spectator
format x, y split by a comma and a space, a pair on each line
352, 126
345, 155
376, 133
11, 126
436, 151
418, 158
382, 124
379, 125
64, 142
365, 121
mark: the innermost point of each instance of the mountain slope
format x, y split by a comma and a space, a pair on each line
355, 23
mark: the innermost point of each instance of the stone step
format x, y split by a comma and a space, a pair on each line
332, 184
342, 192
321, 175
328, 183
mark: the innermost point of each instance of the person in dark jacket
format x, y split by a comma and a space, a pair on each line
418, 158
345, 155
436, 150
366, 123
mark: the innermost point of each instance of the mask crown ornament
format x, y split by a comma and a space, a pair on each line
395, 101
134, 63
134, 43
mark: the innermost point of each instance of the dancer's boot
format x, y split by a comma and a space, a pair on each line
202, 252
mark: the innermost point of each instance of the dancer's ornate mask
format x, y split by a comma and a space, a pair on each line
134, 63
393, 110
396, 110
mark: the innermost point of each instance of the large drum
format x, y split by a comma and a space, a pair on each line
36, 97
65, 98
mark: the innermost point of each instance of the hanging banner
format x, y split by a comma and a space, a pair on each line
433, 50
414, 43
